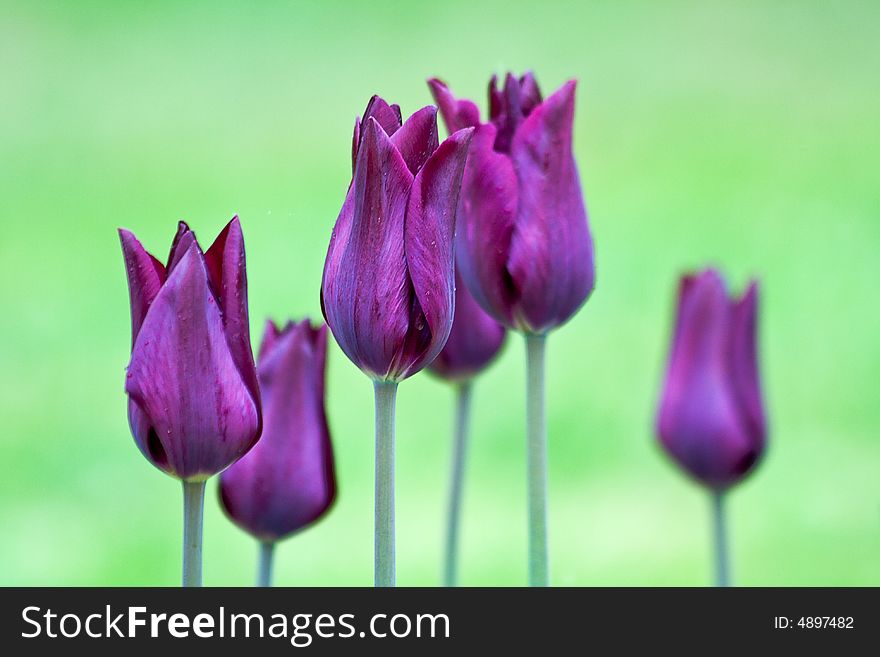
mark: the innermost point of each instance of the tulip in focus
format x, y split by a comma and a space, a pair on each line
388, 287
286, 482
524, 248
193, 398
711, 417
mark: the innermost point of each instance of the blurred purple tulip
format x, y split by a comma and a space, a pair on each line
387, 291
193, 398
711, 416
524, 245
473, 343
286, 481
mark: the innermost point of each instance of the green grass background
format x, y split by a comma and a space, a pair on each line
743, 134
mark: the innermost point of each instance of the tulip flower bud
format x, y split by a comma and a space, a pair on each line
474, 341
711, 415
286, 481
193, 398
524, 248
388, 287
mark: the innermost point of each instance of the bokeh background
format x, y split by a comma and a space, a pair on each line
743, 134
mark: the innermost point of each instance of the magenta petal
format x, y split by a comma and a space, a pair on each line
530, 94
184, 381
475, 339
225, 262
698, 422
145, 277
287, 480
366, 290
429, 233
183, 239
744, 364
417, 138
486, 216
457, 114
388, 116
551, 252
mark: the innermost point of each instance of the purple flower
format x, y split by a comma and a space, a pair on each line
286, 482
711, 417
524, 246
388, 287
474, 341
193, 399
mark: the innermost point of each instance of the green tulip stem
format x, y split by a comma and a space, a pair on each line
536, 456
719, 530
386, 394
193, 513
459, 447
264, 563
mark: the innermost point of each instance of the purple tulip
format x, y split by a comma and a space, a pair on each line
524, 245
193, 398
711, 416
474, 341
286, 482
388, 287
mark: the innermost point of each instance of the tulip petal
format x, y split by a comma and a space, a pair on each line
145, 277
485, 224
744, 374
457, 114
269, 340
183, 378
417, 138
474, 340
225, 262
388, 116
698, 421
287, 481
183, 239
551, 252
429, 233
530, 94
365, 290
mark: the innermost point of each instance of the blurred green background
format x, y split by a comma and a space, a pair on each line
743, 134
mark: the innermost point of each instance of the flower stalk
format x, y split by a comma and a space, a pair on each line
536, 457
719, 531
384, 568
266, 559
193, 514
459, 449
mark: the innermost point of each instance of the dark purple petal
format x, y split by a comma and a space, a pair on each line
145, 277
287, 480
429, 234
417, 138
225, 262
698, 422
366, 294
744, 365
485, 223
530, 94
355, 142
387, 116
191, 403
457, 114
183, 239
474, 341
551, 251
497, 103
270, 338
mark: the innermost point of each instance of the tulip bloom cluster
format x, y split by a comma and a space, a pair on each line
437, 250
